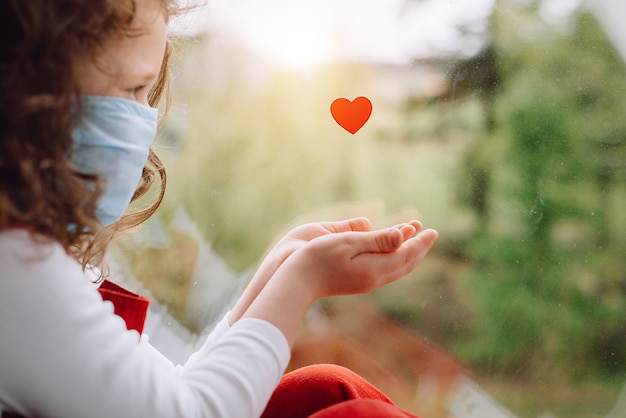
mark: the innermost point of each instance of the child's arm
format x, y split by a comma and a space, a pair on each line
295, 239
67, 355
336, 264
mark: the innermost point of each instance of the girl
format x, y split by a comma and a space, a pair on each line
79, 80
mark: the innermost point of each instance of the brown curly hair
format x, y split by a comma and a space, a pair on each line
40, 40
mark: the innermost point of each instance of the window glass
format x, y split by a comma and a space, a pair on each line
500, 124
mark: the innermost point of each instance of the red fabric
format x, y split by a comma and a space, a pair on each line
329, 391
133, 308
362, 408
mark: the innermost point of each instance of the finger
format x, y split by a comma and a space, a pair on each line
409, 229
429, 236
414, 251
417, 247
360, 224
416, 224
380, 241
389, 267
421, 244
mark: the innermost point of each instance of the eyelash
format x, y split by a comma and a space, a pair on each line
135, 90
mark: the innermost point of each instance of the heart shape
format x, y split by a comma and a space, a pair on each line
351, 115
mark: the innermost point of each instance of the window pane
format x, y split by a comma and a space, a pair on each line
500, 124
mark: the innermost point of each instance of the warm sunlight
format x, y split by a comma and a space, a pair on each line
305, 33
297, 42
292, 34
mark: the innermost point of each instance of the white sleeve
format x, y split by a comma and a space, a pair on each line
211, 339
65, 354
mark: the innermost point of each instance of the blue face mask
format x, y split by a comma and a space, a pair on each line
113, 141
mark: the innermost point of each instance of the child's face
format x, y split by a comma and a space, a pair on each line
128, 66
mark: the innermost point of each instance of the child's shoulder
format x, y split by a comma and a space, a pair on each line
25, 254
23, 240
39, 280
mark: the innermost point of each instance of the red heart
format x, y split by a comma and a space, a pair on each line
351, 115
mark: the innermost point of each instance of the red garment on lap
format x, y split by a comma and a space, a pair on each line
362, 408
329, 391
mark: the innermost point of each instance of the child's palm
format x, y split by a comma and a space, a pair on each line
359, 262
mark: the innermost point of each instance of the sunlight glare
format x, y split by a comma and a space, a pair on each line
287, 33
306, 33
298, 42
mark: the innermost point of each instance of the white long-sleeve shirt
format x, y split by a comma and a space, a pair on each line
63, 353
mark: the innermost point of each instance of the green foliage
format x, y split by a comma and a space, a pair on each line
548, 254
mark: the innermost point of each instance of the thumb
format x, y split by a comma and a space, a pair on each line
382, 241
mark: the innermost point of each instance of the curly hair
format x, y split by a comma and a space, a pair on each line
40, 40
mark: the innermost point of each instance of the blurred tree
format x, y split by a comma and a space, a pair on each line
549, 279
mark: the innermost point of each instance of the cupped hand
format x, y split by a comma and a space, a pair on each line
303, 234
296, 239
333, 264
356, 262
